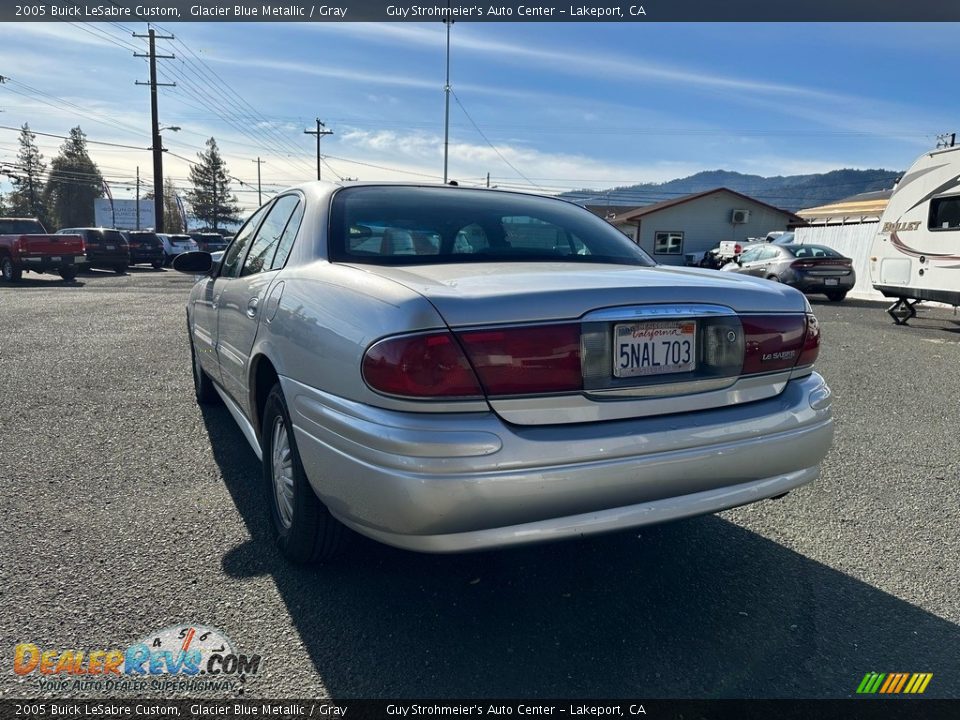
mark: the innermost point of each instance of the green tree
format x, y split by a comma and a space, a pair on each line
210, 198
172, 221
27, 200
74, 182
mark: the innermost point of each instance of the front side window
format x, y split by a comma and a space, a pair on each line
386, 225
232, 255
668, 243
945, 213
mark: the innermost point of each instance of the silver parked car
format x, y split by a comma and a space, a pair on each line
447, 369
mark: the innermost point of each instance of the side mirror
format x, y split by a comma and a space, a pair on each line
193, 263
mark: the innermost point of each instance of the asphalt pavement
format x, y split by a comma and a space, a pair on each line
127, 509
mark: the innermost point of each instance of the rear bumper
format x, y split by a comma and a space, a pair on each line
146, 257
806, 283
455, 482
50, 262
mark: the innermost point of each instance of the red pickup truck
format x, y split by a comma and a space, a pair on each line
26, 245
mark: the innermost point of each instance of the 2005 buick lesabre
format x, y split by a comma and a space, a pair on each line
447, 369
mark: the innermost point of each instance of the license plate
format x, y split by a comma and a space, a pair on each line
831, 281
111, 247
654, 348
55, 258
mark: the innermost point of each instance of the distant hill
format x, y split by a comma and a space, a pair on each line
790, 192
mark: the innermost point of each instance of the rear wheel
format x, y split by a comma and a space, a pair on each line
305, 530
9, 271
120, 269
836, 295
773, 278
68, 272
157, 264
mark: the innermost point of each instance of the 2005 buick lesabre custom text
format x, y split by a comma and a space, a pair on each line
447, 369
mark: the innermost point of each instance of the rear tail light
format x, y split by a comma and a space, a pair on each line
811, 342
522, 360
502, 361
802, 264
779, 342
424, 366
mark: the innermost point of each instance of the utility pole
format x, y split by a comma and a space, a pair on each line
138, 200
259, 162
157, 140
318, 132
448, 21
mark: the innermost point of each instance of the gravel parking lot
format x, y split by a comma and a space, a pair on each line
128, 509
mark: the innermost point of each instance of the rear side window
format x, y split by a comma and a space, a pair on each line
435, 225
231, 258
264, 246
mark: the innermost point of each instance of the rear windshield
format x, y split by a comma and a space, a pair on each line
180, 238
113, 236
148, 237
21, 227
422, 225
802, 251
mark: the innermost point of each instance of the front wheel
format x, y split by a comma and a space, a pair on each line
305, 530
9, 271
68, 272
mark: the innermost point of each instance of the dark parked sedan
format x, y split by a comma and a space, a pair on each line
808, 268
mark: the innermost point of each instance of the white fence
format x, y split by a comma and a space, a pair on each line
854, 241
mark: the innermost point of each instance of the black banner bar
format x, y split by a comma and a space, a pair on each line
859, 11
638, 709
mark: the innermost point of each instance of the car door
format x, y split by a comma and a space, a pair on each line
240, 304
747, 260
766, 262
204, 324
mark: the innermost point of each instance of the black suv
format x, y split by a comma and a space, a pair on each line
106, 248
209, 241
145, 247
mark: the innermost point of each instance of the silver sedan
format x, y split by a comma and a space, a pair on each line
447, 369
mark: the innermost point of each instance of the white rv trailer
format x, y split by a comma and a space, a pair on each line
916, 253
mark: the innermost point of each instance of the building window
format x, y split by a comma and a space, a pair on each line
668, 243
945, 213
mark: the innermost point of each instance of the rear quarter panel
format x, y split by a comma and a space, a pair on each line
326, 318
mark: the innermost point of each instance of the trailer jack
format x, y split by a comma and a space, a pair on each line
903, 310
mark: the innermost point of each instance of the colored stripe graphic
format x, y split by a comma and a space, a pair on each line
894, 683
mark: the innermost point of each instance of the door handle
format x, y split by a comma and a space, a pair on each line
252, 307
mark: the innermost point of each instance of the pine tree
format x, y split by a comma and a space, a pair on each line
210, 199
26, 200
73, 184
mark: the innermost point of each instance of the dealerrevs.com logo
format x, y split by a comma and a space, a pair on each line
189, 658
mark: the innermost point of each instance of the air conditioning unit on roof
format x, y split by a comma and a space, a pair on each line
740, 217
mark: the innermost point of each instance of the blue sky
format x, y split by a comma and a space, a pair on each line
552, 106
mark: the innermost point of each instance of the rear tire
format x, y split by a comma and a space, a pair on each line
202, 384
157, 264
773, 278
305, 530
10, 273
68, 273
836, 296
120, 269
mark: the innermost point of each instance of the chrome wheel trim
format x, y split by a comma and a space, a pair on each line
282, 463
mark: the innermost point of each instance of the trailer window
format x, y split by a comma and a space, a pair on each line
945, 213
